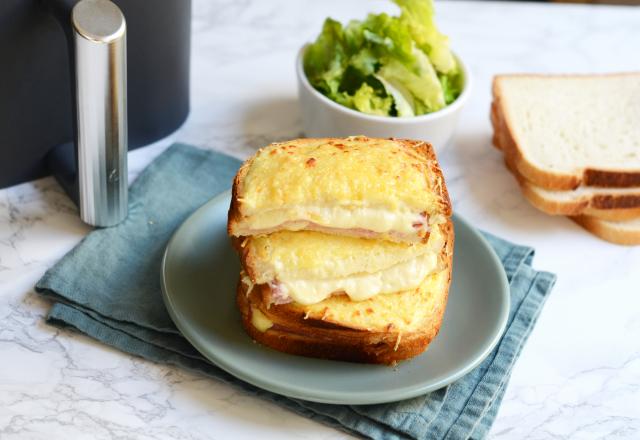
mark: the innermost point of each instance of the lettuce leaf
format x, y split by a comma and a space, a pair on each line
386, 65
402, 99
367, 101
451, 85
324, 60
419, 16
420, 79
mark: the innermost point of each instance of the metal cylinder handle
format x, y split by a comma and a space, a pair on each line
99, 34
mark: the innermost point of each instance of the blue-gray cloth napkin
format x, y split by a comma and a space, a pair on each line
108, 287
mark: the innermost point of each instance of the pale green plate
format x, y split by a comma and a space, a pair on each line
199, 276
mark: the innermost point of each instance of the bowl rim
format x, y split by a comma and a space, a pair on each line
397, 120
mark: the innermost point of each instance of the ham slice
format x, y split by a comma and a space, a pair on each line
421, 227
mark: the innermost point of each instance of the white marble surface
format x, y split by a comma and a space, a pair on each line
579, 374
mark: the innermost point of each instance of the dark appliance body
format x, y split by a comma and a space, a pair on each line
37, 89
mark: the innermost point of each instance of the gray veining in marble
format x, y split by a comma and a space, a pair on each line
579, 375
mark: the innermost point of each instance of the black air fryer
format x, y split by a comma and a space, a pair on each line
84, 81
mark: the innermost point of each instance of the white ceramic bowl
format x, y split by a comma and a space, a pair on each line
322, 117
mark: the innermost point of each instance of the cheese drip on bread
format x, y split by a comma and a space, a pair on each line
403, 276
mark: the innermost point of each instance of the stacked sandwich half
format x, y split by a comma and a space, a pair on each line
346, 247
573, 145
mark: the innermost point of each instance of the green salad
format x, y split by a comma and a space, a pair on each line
386, 65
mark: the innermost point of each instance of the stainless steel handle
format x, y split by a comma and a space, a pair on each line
99, 34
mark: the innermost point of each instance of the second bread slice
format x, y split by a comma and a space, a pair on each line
564, 131
616, 204
626, 232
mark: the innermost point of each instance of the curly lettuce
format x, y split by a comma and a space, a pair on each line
386, 65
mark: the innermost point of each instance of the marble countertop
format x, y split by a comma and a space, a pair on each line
579, 374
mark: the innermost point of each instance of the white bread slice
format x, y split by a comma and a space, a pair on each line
616, 204
564, 131
605, 204
626, 233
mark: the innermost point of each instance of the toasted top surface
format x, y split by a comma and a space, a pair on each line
404, 311
356, 172
314, 255
569, 123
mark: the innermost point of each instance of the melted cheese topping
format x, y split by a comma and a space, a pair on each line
259, 321
351, 172
372, 219
406, 311
402, 276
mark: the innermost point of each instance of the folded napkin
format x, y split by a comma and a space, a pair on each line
108, 287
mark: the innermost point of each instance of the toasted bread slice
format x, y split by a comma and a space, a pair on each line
625, 232
308, 266
357, 186
383, 329
616, 204
606, 204
564, 131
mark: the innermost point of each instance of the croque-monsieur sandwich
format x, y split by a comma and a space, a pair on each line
346, 247
372, 188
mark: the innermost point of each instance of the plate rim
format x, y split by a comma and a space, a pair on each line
364, 397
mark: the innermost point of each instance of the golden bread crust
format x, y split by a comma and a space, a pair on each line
608, 231
542, 177
234, 216
616, 207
